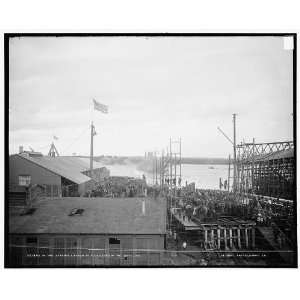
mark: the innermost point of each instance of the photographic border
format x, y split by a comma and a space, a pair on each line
7, 36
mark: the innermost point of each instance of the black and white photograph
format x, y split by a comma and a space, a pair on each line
150, 150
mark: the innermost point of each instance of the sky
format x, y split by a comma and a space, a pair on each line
155, 88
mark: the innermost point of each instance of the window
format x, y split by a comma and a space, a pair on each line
31, 240
114, 241
24, 180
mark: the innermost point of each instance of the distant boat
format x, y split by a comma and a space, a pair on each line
211, 167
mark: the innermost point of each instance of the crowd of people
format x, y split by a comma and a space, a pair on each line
207, 205
116, 187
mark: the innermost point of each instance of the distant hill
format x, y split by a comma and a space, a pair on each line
204, 161
141, 159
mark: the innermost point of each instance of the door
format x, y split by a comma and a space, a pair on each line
114, 251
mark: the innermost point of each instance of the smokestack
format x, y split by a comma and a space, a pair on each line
21, 150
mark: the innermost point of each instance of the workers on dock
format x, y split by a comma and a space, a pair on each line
207, 205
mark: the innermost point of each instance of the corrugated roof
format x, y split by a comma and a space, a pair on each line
100, 216
69, 169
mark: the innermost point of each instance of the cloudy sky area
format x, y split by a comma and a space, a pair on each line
155, 88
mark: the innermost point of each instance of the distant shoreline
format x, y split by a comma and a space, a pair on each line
141, 159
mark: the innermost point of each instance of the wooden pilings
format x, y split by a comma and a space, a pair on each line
253, 238
239, 238
228, 238
246, 238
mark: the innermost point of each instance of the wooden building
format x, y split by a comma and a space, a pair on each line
60, 175
89, 232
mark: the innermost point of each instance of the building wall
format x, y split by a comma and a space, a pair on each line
85, 187
85, 250
39, 175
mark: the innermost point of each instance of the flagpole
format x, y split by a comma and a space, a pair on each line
103, 109
92, 146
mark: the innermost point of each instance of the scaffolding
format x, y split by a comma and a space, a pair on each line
171, 175
266, 169
53, 151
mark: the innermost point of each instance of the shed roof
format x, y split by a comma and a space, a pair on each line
70, 169
100, 216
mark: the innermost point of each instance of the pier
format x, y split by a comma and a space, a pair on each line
226, 233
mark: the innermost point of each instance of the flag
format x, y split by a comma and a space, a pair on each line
55, 137
101, 107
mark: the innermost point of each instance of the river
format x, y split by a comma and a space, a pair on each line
204, 176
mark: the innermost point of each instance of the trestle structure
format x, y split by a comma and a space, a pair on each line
266, 169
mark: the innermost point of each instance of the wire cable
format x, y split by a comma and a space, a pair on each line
76, 139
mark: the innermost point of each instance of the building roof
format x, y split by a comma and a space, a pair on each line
63, 166
281, 154
288, 153
100, 216
83, 163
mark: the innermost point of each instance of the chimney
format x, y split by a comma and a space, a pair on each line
21, 150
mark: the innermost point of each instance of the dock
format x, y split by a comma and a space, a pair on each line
226, 232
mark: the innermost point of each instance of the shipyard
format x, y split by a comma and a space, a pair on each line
170, 184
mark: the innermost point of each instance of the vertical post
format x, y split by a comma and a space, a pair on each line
253, 238
205, 239
234, 153
162, 169
246, 238
239, 238
228, 183
175, 175
143, 206
212, 237
171, 167
180, 160
219, 238
92, 149
252, 173
225, 239
159, 170
155, 168
167, 164
230, 238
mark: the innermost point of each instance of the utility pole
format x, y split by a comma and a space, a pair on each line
162, 171
234, 154
171, 167
228, 183
180, 160
155, 169
92, 149
175, 175
252, 172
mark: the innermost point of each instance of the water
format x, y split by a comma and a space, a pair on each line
204, 176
